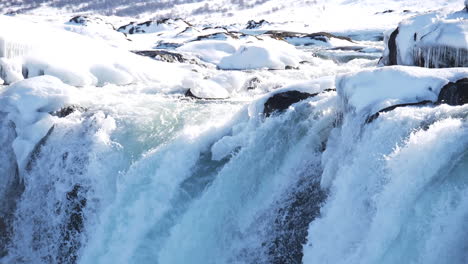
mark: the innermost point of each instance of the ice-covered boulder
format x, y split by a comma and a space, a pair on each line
28, 104
431, 40
154, 26
372, 91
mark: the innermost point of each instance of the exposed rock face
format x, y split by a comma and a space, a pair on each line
282, 101
11, 185
68, 110
73, 226
162, 55
454, 93
253, 83
191, 94
304, 38
252, 24
292, 222
392, 47
153, 26
86, 20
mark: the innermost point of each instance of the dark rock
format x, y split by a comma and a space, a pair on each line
190, 94
71, 243
392, 47
393, 107
281, 101
67, 110
85, 20
13, 185
220, 36
253, 83
386, 11
79, 20
134, 28
292, 222
252, 24
289, 67
167, 45
162, 55
318, 36
37, 150
217, 27
454, 93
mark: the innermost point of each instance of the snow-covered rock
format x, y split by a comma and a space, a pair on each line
369, 91
431, 40
154, 26
87, 20
269, 54
29, 103
304, 39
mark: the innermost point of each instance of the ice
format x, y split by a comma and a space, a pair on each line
29, 103
432, 40
373, 90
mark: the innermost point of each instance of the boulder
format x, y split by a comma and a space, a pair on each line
282, 101
454, 93
431, 40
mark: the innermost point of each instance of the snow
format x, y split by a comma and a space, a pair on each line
434, 29
211, 51
270, 54
375, 89
29, 103
159, 169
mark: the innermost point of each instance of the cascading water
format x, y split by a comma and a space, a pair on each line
144, 178
397, 190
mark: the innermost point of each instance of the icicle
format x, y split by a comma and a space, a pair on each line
440, 57
11, 49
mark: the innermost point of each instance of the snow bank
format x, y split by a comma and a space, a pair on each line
373, 90
270, 54
211, 51
81, 61
245, 54
29, 103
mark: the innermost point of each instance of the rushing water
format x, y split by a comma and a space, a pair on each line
148, 178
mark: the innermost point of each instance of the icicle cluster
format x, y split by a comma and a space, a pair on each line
440, 57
